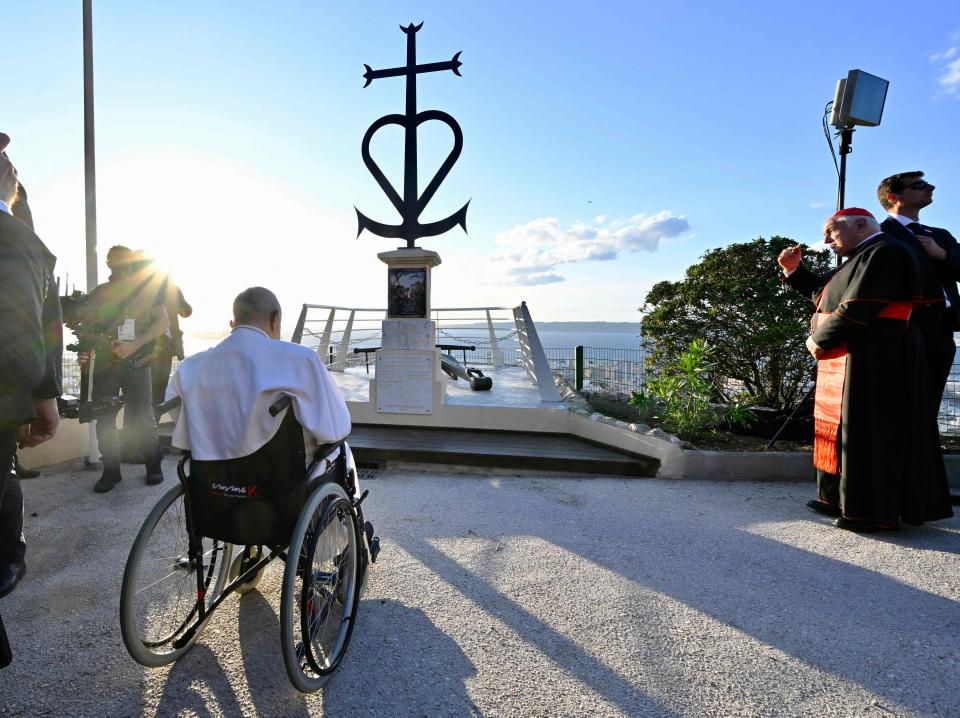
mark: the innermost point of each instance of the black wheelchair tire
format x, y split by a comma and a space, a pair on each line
306, 672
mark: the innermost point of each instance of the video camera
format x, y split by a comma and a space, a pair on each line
71, 407
92, 336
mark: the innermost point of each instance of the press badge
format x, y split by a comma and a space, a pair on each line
126, 332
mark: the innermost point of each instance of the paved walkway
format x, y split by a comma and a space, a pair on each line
523, 596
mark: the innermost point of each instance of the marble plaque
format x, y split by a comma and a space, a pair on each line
404, 382
408, 334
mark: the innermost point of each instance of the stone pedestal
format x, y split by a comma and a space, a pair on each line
408, 378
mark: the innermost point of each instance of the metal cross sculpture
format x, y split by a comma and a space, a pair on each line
412, 204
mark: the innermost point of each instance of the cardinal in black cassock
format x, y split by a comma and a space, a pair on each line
876, 449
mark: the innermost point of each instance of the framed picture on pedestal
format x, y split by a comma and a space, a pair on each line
407, 293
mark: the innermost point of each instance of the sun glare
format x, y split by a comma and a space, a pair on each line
217, 229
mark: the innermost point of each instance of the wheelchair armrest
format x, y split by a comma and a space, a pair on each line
325, 450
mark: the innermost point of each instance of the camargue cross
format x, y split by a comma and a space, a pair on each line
411, 206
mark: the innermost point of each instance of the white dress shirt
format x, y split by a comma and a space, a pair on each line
4, 208
226, 393
904, 220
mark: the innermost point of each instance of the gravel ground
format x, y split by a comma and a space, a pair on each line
522, 596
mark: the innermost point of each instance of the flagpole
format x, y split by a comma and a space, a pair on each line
90, 183
90, 173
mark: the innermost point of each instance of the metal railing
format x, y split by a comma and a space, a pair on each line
614, 371
340, 334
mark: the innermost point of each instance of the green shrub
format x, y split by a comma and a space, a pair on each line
682, 393
733, 298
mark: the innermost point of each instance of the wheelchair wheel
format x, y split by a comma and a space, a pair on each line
320, 595
158, 599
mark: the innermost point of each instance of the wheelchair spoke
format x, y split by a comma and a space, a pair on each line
159, 595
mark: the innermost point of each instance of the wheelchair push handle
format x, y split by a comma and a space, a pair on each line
280, 404
168, 405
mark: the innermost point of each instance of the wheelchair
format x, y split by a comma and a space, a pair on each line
215, 533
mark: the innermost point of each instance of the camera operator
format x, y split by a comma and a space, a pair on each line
129, 314
170, 345
30, 357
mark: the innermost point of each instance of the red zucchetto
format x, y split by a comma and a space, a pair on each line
852, 212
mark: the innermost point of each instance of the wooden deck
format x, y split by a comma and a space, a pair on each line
375, 445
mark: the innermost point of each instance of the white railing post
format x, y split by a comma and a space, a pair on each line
534, 358
324, 347
496, 356
298, 331
341, 364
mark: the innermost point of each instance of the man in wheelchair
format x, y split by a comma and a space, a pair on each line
247, 456
226, 391
266, 470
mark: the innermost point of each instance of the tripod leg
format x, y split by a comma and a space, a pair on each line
793, 413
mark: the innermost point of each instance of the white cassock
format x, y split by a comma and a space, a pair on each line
226, 393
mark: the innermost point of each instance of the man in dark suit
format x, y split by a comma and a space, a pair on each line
30, 358
903, 195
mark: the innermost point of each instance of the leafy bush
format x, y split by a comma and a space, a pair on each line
734, 299
682, 394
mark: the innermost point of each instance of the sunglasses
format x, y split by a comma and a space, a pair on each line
919, 184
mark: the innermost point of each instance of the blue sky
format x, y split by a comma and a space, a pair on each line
606, 146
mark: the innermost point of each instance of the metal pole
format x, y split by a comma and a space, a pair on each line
846, 138
90, 173
578, 367
89, 182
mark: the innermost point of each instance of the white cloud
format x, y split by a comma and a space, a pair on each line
949, 78
531, 252
947, 54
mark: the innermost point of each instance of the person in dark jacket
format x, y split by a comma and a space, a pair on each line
30, 360
21, 210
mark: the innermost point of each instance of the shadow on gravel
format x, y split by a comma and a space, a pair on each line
195, 682
400, 664
562, 650
852, 622
270, 688
928, 537
855, 623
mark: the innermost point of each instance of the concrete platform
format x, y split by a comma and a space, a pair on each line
512, 389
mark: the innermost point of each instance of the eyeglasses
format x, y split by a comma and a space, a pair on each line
919, 184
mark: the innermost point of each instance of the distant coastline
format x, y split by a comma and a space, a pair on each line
592, 327
614, 335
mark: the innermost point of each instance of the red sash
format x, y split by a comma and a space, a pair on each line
828, 406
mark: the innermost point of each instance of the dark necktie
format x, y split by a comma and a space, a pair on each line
918, 228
